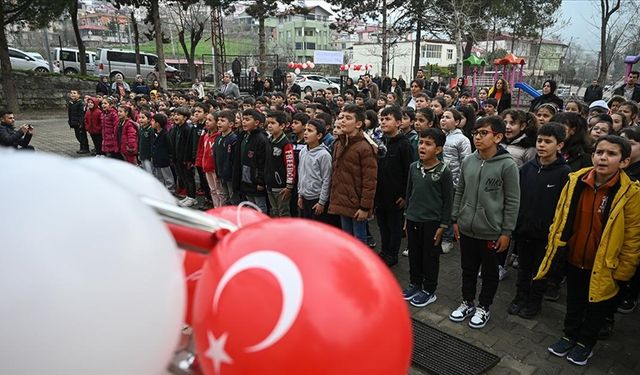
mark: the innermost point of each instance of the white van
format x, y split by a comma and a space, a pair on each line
67, 60
113, 61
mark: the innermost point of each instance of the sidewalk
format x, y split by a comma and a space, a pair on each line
521, 344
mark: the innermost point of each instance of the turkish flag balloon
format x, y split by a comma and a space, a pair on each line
291, 296
290, 65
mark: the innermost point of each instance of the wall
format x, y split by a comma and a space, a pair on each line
41, 92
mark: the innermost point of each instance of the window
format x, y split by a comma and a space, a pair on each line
298, 46
17, 55
151, 60
309, 32
288, 34
119, 56
310, 45
68, 56
431, 51
449, 54
298, 31
311, 17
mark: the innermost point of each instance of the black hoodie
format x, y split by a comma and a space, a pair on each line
540, 188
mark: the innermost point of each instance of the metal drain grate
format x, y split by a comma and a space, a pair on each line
440, 353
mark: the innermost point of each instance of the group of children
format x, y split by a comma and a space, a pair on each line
549, 186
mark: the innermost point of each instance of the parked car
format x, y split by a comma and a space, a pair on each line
315, 82
20, 60
36, 55
114, 61
335, 80
69, 63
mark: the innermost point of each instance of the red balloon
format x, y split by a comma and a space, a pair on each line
291, 296
192, 264
290, 65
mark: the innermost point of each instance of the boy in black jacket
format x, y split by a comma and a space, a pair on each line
161, 152
224, 151
75, 108
393, 172
248, 171
280, 166
184, 142
541, 182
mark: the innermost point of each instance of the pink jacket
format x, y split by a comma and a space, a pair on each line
129, 141
110, 130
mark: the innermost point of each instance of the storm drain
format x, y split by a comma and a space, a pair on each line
440, 353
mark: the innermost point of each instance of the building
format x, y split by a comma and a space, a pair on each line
401, 56
297, 36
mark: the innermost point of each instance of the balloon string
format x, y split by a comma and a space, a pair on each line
239, 211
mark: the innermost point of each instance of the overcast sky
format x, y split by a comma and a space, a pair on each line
579, 14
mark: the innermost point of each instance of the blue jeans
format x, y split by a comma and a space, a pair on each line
358, 229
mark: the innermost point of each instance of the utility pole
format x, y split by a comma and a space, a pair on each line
217, 44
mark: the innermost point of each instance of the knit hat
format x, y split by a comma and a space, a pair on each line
599, 104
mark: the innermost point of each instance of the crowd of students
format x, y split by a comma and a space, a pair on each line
555, 187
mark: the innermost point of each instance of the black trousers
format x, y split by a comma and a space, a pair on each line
204, 185
307, 211
81, 136
583, 319
390, 221
629, 289
424, 256
476, 253
187, 177
530, 255
97, 143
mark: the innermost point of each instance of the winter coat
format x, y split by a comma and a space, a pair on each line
487, 198
280, 164
184, 143
593, 93
129, 140
201, 132
109, 122
160, 150
249, 163
93, 118
636, 92
314, 171
456, 148
146, 136
540, 188
617, 256
522, 149
393, 171
354, 175
10, 137
504, 102
140, 88
225, 148
76, 113
208, 159
103, 88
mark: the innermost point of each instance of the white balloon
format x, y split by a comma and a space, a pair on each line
304, 65
133, 179
297, 71
90, 279
312, 65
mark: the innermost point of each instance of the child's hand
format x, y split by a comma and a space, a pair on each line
502, 243
400, 202
438, 237
300, 203
456, 231
361, 215
285, 193
318, 209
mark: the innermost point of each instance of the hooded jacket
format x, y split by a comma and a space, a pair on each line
617, 255
456, 148
128, 140
522, 149
160, 150
314, 171
93, 118
487, 198
540, 188
109, 122
393, 170
76, 113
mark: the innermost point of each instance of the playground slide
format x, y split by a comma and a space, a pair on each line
527, 88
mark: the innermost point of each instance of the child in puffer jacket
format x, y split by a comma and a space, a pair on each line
127, 135
93, 123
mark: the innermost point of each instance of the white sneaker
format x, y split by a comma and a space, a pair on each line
463, 311
447, 246
405, 252
182, 201
480, 318
502, 273
188, 202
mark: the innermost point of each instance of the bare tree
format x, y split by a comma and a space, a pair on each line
73, 12
190, 18
607, 9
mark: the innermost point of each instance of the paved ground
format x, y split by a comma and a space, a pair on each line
520, 343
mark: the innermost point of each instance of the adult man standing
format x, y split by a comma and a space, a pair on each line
631, 91
593, 93
374, 91
9, 136
292, 86
228, 87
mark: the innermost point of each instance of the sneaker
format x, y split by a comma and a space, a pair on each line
188, 202
627, 306
516, 305
405, 252
423, 298
502, 273
371, 242
447, 246
580, 355
530, 310
182, 201
463, 311
480, 318
410, 291
552, 293
561, 347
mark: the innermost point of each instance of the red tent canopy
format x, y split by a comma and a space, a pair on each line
509, 59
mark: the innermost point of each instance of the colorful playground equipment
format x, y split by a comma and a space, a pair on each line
513, 70
471, 64
630, 60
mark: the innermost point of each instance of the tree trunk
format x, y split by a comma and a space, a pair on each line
82, 55
136, 36
8, 83
261, 44
468, 47
195, 39
604, 20
157, 28
416, 55
459, 53
385, 46
188, 54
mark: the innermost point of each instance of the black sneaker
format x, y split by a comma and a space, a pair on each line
530, 310
627, 306
552, 293
371, 242
580, 355
516, 305
423, 298
606, 330
562, 347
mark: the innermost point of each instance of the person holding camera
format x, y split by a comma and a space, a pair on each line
9, 136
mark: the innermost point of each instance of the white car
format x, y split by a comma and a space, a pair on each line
315, 82
20, 60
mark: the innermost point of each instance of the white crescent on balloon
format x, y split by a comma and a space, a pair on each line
288, 276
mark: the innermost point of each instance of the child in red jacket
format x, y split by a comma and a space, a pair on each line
127, 135
208, 163
93, 123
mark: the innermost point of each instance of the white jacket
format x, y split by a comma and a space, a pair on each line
456, 148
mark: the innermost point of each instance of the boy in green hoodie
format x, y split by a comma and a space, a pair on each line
485, 211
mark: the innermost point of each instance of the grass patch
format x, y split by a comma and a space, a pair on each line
232, 47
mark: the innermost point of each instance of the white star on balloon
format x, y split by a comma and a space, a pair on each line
216, 351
